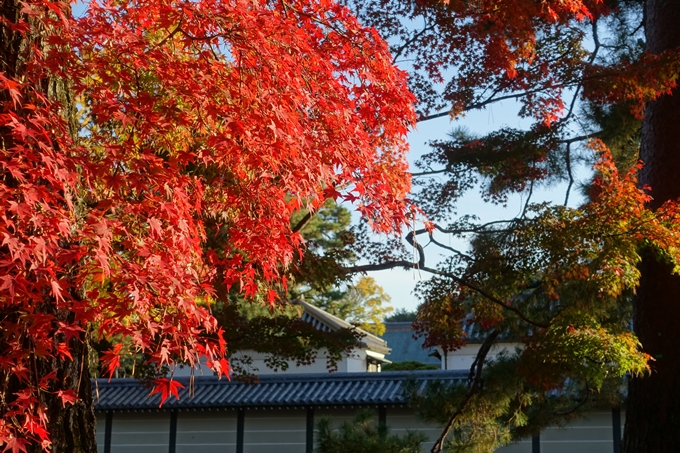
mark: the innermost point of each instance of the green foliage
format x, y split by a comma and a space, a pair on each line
577, 347
362, 304
510, 407
363, 435
280, 334
401, 315
320, 278
410, 365
328, 237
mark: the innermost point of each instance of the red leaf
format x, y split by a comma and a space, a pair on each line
222, 368
166, 388
16, 445
67, 396
111, 359
64, 351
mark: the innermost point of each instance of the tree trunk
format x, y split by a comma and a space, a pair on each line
653, 413
71, 426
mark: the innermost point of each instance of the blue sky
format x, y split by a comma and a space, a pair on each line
399, 284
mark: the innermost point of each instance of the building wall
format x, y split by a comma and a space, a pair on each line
593, 434
285, 431
140, 433
206, 432
275, 431
355, 363
462, 359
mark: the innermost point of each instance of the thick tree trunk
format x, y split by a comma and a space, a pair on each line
71, 426
653, 414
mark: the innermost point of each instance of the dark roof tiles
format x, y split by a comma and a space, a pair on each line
302, 390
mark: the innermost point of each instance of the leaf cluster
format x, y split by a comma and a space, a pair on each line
362, 435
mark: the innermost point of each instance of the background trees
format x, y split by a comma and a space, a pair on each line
559, 276
362, 435
319, 277
153, 154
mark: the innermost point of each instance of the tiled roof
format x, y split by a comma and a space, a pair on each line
327, 322
399, 337
302, 390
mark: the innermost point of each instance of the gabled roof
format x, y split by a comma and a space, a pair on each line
405, 348
327, 322
302, 390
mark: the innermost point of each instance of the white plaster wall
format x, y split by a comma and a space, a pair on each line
463, 358
284, 431
143, 432
206, 432
275, 431
356, 362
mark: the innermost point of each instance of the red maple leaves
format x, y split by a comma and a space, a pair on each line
166, 388
201, 127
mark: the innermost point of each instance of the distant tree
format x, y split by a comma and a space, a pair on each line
320, 276
328, 237
401, 315
410, 365
363, 304
363, 435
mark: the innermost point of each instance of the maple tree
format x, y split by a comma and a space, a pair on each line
566, 281
153, 154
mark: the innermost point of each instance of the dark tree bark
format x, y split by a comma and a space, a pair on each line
653, 413
71, 426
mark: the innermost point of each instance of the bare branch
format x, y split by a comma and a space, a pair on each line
397, 52
303, 221
460, 281
475, 378
570, 173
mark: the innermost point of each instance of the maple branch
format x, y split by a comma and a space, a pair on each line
580, 138
431, 172
410, 238
479, 229
397, 53
591, 60
460, 281
449, 248
303, 221
491, 100
526, 204
475, 378
171, 34
569, 172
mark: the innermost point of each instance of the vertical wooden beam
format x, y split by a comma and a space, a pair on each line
173, 432
382, 415
616, 429
240, 429
310, 430
108, 427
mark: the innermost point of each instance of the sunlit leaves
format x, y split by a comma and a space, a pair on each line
577, 347
166, 159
